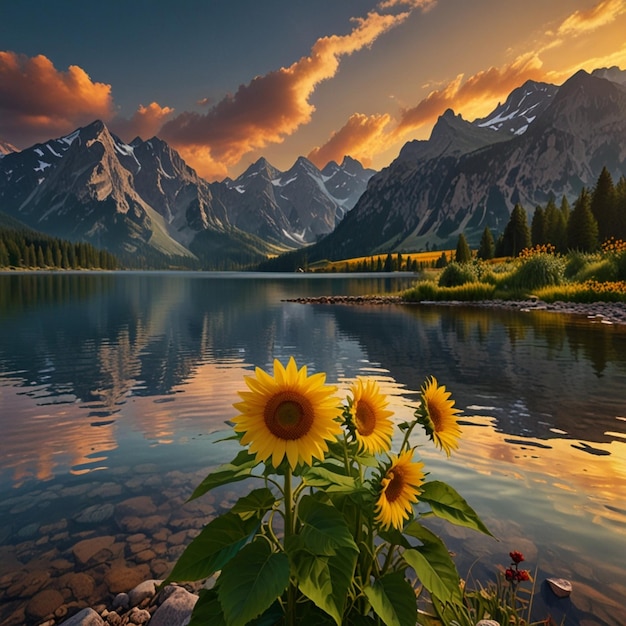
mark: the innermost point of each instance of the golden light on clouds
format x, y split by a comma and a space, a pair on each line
597, 16
361, 137
217, 136
37, 98
270, 107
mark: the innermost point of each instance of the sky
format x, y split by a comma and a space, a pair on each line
226, 82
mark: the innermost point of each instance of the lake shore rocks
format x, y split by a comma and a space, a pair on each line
597, 312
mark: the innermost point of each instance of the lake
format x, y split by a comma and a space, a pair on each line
115, 388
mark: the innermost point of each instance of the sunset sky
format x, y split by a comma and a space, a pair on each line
227, 81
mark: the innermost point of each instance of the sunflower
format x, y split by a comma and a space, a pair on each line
438, 416
400, 487
288, 415
370, 418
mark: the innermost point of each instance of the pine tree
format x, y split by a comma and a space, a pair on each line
538, 227
620, 209
463, 252
603, 205
582, 228
556, 227
516, 235
487, 248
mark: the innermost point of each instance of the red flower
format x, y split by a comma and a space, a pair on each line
516, 557
510, 574
523, 575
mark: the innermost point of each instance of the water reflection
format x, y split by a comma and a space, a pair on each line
104, 376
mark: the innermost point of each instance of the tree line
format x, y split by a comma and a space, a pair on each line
26, 249
596, 216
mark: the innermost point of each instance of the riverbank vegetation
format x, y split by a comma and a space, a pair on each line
538, 272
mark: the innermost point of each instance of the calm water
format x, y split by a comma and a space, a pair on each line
114, 388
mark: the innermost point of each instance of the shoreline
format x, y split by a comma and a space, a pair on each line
595, 312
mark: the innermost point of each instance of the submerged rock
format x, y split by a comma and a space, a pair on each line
560, 587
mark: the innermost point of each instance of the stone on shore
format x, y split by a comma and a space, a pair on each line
176, 609
86, 617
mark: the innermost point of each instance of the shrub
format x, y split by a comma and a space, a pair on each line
539, 270
458, 274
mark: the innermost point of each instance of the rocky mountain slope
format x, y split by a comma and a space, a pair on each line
143, 199
547, 142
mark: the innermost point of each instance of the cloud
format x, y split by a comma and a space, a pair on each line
482, 87
274, 105
145, 122
361, 137
599, 15
38, 101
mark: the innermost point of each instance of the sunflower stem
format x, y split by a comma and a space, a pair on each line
289, 530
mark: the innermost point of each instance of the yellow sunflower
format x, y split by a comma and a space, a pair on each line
438, 416
400, 487
288, 415
370, 418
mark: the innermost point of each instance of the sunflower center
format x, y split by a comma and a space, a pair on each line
434, 413
395, 485
364, 418
288, 415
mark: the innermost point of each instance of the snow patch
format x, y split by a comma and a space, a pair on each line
42, 166
39, 151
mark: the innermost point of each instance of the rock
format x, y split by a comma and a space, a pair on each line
95, 514
560, 587
487, 622
139, 617
93, 550
121, 601
86, 617
146, 589
81, 585
136, 507
44, 603
122, 578
176, 609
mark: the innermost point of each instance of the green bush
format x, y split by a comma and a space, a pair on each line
468, 292
603, 270
456, 274
577, 261
619, 261
539, 270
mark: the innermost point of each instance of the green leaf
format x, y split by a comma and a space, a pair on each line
218, 542
433, 565
393, 600
325, 579
251, 582
446, 503
328, 475
257, 503
324, 528
238, 469
207, 610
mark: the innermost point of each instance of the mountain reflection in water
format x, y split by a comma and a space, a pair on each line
104, 376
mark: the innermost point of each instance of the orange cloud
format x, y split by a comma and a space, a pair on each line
274, 105
37, 101
599, 15
361, 137
479, 89
145, 122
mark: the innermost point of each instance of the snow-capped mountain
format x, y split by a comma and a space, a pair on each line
520, 109
142, 198
549, 142
298, 206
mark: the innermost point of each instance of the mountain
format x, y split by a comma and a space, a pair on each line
520, 109
141, 199
298, 206
543, 142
